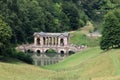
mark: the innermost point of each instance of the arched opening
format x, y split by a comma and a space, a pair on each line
29, 52
44, 40
62, 42
71, 52
38, 52
62, 53
38, 41
50, 52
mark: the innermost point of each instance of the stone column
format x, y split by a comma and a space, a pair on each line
35, 40
56, 41
47, 41
41, 41
65, 41
50, 41
59, 41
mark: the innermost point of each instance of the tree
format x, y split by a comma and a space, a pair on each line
71, 11
111, 31
5, 35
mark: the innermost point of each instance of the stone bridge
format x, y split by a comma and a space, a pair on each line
45, 41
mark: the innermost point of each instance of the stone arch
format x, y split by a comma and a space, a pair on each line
62, 53
70, 52
38, 52
29, 51
46, 49
50, 52
62, 42
38, 41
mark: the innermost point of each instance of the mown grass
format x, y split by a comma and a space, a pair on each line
80, 38
22, 71
75, 59
90, 64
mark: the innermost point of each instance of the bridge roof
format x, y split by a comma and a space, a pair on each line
51, 34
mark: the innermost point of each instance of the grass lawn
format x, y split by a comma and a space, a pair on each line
22, 71
80, 38
75, 59
90, 64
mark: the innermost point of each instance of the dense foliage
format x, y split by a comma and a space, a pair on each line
19, 19
111, 31
5, 35
28, 16
95, 9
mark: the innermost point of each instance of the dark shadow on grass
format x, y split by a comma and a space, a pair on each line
10, 60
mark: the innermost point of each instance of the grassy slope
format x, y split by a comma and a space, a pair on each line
80, 38
75, 59
89, 64
22, 71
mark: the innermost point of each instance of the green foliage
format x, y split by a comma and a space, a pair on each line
111, 31
19, 55
28, 16
5, 35
96, 9
24, 57
50, 51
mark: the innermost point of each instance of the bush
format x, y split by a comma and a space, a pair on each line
24, 57
19, 55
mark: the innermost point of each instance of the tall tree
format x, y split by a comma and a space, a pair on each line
71, 11
111, 31
5, 35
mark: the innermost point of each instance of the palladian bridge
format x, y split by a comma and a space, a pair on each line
58, 42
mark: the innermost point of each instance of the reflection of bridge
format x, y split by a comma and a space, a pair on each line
44, 41
43, 59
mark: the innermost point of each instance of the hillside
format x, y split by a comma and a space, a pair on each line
79, 37
22, 71
89, 64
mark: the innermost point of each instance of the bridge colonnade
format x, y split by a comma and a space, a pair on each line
50, 40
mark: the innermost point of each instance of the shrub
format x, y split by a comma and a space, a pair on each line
19, 55
24, 57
